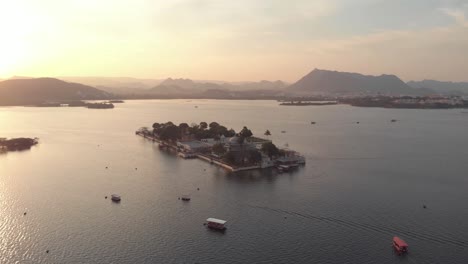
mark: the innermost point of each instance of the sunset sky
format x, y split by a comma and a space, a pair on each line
234, 40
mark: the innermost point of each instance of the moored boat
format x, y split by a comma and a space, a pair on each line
115, 197
216, 223
400, 245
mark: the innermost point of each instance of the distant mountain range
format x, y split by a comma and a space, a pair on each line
324, 82
450, 88
38, 90
26, 90
187, 86
116, 85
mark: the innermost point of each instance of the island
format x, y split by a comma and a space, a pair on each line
104, 105
78, 103
306, 103
17, 144
224, 147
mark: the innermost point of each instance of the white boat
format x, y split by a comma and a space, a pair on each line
216, 223
115, 197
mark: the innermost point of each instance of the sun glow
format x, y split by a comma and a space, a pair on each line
17, 25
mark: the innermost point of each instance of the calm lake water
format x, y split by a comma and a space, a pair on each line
362, 184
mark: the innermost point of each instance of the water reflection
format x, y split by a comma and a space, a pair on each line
268, 175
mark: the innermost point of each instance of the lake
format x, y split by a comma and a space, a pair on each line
362, 184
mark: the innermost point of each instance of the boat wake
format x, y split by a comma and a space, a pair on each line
440, 239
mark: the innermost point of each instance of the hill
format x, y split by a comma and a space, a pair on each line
116, 85
449, 88
190, 87
38, 90
345, 83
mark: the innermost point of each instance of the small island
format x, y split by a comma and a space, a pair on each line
224, 147
17, 144
104, 105
306, 103
78, 103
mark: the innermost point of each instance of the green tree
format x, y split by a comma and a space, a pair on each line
254, 156
213, 125
245, 133
170, 132
230, 158
270, 149
219, 149
230, 133
156, 125
203, 125
183, 128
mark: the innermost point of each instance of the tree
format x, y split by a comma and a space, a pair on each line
270, 149
156, 125
203, 125
213, 125
219, 149
230, 158
230, 133
245, 133
183, 128
183, 125
267, 133
254, 156
170, 132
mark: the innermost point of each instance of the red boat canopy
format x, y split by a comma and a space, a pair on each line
400, 242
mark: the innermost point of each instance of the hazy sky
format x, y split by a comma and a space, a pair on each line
234, 39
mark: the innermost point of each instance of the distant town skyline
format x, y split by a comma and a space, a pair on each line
240, 40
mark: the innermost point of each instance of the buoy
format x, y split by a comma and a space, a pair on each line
24, 213
47, 251
198, 189
136, 168
105, 197
106, 167
424, 206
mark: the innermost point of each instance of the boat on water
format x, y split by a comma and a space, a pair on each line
216, 223
185, 198
115, 197
400, 245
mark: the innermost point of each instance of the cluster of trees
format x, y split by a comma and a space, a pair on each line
270, 149
170, 131
249, 157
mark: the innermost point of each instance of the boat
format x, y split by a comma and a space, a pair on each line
115, 197
216, 223
313, 123
283, 131
283, 168
393, 120
185, 198
400, 245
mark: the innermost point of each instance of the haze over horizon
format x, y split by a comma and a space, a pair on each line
234, 40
